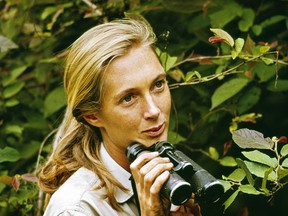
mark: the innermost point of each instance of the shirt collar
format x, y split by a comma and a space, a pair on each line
119, 173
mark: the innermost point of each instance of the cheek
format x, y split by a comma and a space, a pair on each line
128, 121
166, 103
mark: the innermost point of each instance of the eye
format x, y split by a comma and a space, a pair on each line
128, 99
160, 84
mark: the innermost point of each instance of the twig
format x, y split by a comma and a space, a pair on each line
198, 58
204, 79
41, 148
214, 76
94, 7
41, 193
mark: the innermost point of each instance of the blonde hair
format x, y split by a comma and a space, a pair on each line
76, 142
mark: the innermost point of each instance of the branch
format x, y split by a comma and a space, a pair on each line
93, 7
224, 73
41, 193
198, 58
41, 148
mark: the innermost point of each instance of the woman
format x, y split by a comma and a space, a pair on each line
117, 94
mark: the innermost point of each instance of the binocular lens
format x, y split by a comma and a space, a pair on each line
179, 191
213, 191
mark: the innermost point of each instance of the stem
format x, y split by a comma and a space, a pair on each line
198, 58
204, 79
93, 7
278, 159
247, 58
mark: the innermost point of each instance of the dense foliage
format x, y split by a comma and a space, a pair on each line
227, 67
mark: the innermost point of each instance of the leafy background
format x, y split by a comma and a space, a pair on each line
33, 38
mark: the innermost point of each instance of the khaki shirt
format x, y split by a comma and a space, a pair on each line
78, 197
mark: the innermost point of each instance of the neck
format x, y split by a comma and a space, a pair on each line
119, 156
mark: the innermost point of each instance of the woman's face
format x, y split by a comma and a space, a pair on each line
136, 102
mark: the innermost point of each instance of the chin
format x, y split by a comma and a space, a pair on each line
151, 142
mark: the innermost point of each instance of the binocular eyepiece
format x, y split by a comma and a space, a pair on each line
186, 177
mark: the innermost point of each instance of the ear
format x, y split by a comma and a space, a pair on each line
93, 120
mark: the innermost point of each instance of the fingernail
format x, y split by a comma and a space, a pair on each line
155, 153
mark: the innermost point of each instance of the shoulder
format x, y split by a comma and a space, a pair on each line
76, 196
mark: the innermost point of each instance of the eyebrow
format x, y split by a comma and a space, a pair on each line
126, 91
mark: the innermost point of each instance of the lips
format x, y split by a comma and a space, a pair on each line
155, 131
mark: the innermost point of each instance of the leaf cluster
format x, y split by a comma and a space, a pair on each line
264, 170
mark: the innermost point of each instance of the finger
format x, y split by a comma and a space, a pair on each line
193, 208
142, 160
158, 183
156, 165
190, 203
155, 178
183, 210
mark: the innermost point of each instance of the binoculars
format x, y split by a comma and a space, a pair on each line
186, 177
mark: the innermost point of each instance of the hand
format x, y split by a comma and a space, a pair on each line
150, 172
188, 209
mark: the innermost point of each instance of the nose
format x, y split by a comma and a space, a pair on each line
152, 110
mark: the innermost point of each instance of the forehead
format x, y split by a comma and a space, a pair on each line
139, 66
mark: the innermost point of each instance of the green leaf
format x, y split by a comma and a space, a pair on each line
11, 102
229, 11
246, 138
237, 175
15, 73
6, 44
247, 20
2, 186
259, 170
227, 90
176, 74
260, 157
9, 154
226, 184
280, 85
272, 20
247, 172
249, 45
192, 75
282, 172
170, 62
249, 189
257, 29
264, 181
231, 199
219, 70
239, 43
175, 138
248, 99
29, 149
3, 204
228, 161
167, 61
55, 100
13, 129
48, 11
13, 89
284, 150
213, 153
267, 61
223, 35
264, 72
285, 163
264, 49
